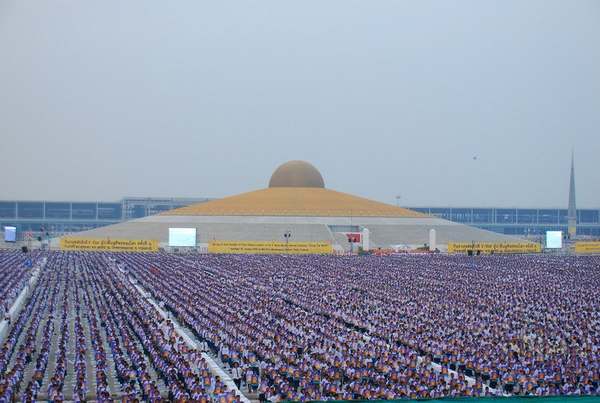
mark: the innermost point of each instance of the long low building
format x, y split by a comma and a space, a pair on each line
298, 207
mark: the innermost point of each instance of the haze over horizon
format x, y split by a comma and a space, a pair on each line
445, 103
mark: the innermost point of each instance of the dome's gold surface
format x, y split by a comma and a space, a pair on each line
296, 174
299, 201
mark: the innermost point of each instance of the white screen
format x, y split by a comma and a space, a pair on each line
10, 234
553, 239
182, 236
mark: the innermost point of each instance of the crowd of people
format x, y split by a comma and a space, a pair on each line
302, 327
87, 334
15, 272
411, 326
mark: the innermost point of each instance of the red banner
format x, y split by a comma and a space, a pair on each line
353, 237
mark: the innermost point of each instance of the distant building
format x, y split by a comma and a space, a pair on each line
519, 221
59, 218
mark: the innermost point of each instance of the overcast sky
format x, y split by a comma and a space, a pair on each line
446, 103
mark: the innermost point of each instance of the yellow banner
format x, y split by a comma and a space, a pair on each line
109, 245
269, 247
587, 247
496, 247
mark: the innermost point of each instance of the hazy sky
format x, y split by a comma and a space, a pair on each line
104, 99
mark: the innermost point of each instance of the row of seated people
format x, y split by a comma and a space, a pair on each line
80, 387
55, 388
361, 327
52, 340
15, 272
20, 345
102, 322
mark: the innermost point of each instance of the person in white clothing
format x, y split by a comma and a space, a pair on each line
236, 375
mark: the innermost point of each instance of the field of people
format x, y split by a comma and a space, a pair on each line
227, 328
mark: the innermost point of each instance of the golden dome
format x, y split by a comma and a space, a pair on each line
298, 174
296, 189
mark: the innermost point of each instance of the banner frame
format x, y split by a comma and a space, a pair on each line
270, 247
108, 245
495, 247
